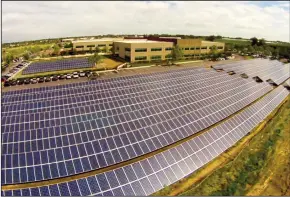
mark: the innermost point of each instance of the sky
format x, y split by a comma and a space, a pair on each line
32, 20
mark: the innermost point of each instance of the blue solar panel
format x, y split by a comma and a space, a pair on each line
47, 66
147, 176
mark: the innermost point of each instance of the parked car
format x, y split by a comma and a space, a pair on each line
68, 76
89, 73
54, 78
6, 84
4, 78
75, 76
26, 81
47, 79
41, 80
62, 77
75, 73
20, 82
33, 81
82, 74
13, 83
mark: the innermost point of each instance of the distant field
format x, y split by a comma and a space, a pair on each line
247, 42
242, 42
18, 51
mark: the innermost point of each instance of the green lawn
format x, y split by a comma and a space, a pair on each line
18, 51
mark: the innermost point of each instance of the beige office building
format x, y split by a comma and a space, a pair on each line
149, 48
142, 50
197, 47
87, 45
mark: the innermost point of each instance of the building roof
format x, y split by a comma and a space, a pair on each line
94, 40
140, 41
98, 40
171, 37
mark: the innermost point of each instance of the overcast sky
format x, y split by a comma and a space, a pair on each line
51, 19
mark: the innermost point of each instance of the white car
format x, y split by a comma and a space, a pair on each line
68, 76
75, 76
82, 74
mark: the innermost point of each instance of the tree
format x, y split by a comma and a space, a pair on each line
98, 50
211, 38
275, 52
26, 56
106, 49
219, 37
176, 53
251, 49
56, 49
254, 41
94, 59
112, 50
68, 45
261, 42
9, 58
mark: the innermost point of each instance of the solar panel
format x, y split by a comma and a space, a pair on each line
150, 175
264, 69
65, 64
101, 127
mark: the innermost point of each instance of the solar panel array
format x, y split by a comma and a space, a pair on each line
48, 66
264, 69
63, 132
150, 175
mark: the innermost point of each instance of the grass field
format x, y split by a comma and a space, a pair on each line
18, 51
105, 64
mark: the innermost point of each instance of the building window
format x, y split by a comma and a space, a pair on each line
187, 55
110, 45
141, 58
117, 48
186, 49
197, 48
79, 46
203, 47
156, 49
127, 58
168, 49
156, 57
127, 49
220, 47
101, 45
192, 48
141, 50
168, 56
90, 46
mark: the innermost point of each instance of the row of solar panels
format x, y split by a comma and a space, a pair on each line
119, 79
120, 133
57, 65
124, 88
117, 101
150, 175
99, 85
264, 69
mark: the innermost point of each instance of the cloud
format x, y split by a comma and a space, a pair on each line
37, 20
